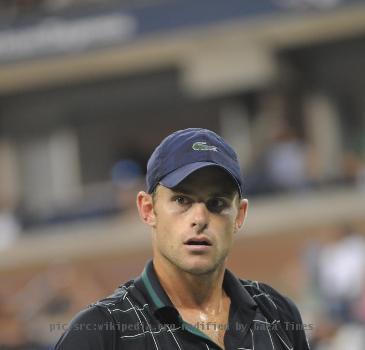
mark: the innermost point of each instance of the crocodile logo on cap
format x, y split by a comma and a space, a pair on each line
202, 146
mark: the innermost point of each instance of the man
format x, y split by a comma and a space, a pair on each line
186, 298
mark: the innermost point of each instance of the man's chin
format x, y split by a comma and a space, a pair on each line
197, 265
196, 271
201, 268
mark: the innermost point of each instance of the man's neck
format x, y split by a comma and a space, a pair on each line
188, 291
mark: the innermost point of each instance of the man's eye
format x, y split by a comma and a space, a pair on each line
216, 205
181, 200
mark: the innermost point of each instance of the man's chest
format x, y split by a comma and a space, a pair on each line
213, 334
212, 325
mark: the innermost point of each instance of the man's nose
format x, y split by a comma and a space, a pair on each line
200, 216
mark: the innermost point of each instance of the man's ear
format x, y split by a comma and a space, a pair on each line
145, 208
241, 215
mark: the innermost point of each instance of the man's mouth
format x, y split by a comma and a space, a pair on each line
198, 242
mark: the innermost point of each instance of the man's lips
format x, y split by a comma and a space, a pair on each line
198, 241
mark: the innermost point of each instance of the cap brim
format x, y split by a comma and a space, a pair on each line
172, 179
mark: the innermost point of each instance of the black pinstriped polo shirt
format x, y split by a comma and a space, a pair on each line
139, 315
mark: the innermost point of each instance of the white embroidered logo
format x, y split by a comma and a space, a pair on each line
202, 146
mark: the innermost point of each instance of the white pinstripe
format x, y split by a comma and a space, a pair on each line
258, 295
143, 333
126, 290
137, 308
149, 326
266, 322
135, 312
266, 296
282, 340
253, 341
262, 321
149, 332
269, 298
169, 329
268, 331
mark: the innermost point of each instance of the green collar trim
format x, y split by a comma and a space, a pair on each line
151, 291
190, 328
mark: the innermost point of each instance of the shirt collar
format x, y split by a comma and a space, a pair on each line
238, 294
164, 309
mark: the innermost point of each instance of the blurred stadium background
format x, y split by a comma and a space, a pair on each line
89, 87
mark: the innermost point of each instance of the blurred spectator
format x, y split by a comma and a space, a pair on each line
9, 226
360, 151
127, 176
341, 272
331, 337
336, 269
9, 195
360, 178
286, 161
349, 334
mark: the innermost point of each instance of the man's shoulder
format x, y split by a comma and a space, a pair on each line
126, 296
89, 326
97, 325
118, 297
271, 299
256, 288
279, 311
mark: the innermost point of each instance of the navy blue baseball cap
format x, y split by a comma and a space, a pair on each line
185, 151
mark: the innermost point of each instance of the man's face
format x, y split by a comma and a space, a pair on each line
195, 222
